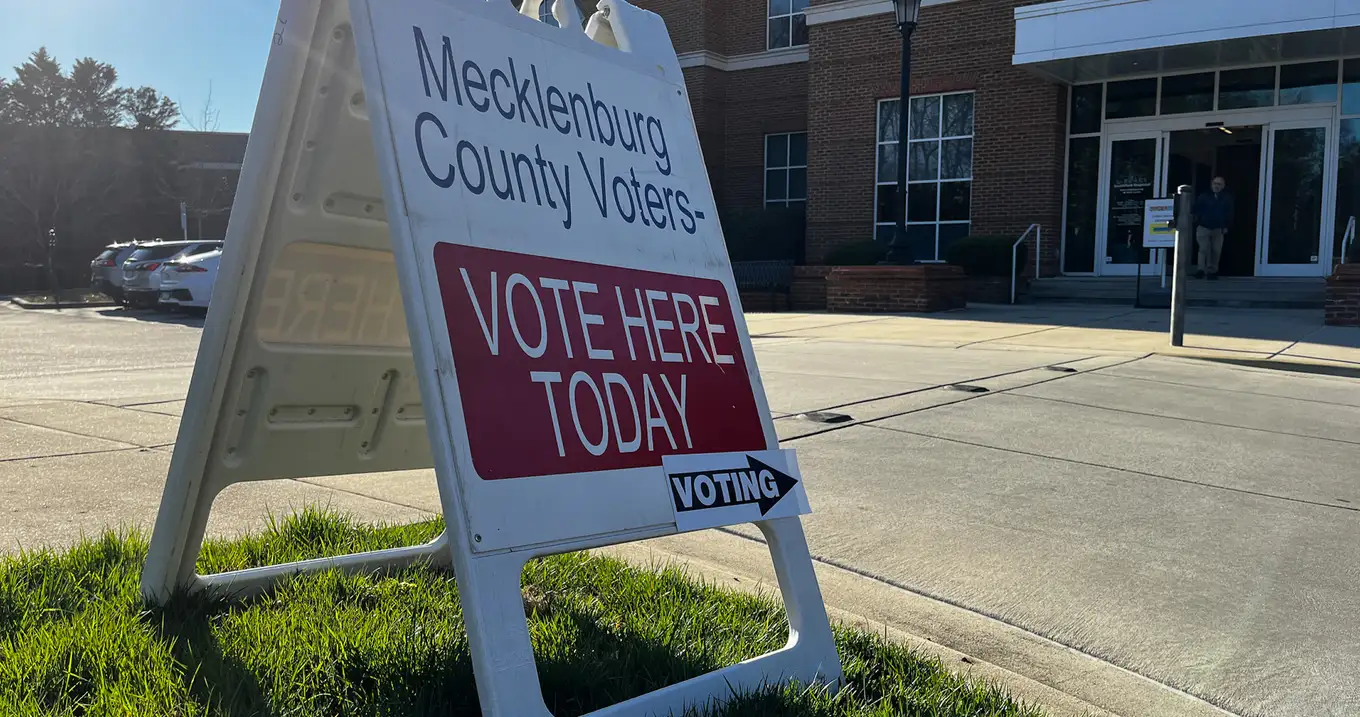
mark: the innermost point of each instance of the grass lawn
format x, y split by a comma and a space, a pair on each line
76, 639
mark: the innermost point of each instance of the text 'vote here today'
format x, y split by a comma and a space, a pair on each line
567, 367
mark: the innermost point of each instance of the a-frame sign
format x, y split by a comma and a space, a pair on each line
470, 240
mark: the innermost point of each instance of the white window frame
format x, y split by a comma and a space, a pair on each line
545, 13
788, 18
1067, 171
787, 167
880, 142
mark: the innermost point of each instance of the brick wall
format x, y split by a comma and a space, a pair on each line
1019, 120
707, 89
875, 289
1343, 296
808, 292
685, 20
767, 100
734, 110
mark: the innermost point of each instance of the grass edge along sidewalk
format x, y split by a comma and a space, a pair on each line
76, 639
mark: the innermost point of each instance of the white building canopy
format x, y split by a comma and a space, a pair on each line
1085, 40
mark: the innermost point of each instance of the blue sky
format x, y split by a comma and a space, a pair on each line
179, 47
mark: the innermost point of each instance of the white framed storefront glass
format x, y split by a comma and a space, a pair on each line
1132, 171
1298, 199
1269, 119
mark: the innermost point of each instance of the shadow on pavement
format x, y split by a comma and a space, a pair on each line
1241, 323
1292, 367
160, 317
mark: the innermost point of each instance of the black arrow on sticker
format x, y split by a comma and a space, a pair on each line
755, 483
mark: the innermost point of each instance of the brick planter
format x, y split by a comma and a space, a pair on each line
1343, 296
925, 287
992, 289
809, 287
764, 301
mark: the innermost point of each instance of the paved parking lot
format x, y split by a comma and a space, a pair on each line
1194, 522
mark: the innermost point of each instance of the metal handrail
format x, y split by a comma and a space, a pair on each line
1347, 240
1038, 237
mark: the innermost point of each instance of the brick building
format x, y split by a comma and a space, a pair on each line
110, 184
1065, 114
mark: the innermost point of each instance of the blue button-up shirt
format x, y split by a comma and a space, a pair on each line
1214, 211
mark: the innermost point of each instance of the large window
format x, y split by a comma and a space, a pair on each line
786, 169
786, 25
1083, 176
939, 172
1240, 88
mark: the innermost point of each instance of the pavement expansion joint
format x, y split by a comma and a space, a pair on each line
1131, 471
73, 433
929, 595
1198, 421
1220, 389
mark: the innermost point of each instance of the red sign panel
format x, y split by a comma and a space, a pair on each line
570, 367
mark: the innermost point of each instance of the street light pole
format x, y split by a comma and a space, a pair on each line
907, 12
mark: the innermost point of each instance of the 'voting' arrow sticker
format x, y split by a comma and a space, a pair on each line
716, 489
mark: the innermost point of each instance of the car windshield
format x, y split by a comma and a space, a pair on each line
107, 254
155, 252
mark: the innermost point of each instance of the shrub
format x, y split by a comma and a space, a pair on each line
764, 234
865, 253
986, 255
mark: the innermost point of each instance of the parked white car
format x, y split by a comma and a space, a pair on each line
188, 282
144, 269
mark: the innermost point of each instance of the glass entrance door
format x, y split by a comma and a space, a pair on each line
1136, 174
1296, 192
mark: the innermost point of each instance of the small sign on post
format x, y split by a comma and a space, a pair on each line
1159, 231
1159, 224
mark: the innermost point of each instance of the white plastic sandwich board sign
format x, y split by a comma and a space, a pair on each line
470, 240
1159, 224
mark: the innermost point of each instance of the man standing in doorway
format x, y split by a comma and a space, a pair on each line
1213, 215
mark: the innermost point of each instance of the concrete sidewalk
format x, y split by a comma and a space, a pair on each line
1130, 534
1291, 339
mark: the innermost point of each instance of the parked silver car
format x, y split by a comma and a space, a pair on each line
143, 268
106, 271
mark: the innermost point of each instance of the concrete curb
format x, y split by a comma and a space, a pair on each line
26, 304
1063, 681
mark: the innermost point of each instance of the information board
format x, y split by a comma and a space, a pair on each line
1159, 224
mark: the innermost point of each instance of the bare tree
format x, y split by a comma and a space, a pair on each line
208, 118
204, 189
61, 179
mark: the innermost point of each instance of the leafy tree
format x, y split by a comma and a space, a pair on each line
65, 162
42, 95
149, 109
37, 96
93, 96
